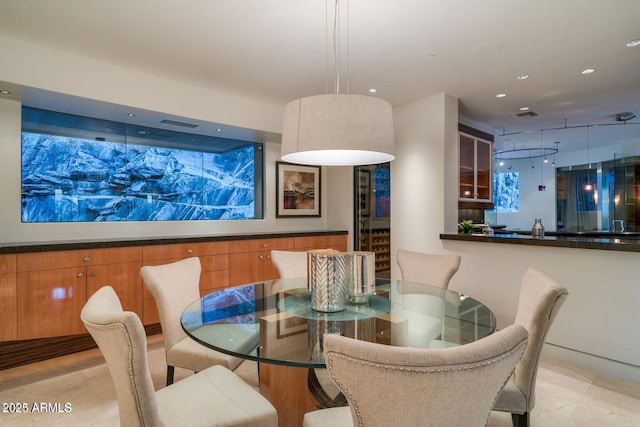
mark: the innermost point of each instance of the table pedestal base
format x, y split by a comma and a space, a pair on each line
288, 390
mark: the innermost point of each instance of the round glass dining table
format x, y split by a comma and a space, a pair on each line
272, 323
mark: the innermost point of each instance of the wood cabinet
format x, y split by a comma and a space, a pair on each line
43, 292
250, 260
54, 286
8, 298
214, 259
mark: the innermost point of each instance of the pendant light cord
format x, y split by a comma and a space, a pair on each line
336, 43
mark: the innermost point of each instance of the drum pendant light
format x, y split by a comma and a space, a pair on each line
337, 129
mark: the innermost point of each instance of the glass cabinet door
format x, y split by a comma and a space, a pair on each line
483, 170
467, 167
476, 165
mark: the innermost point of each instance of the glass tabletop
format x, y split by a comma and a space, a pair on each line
272, 321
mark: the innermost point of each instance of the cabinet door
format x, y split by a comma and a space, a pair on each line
483, 170
476, 165
8, 298
467, 167
8, 307
245, 267
123, 278
50, 301
269, 271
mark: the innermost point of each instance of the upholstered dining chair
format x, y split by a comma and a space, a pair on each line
431, 269
540, 300
290, 264
213, 397
388, 385
174, 286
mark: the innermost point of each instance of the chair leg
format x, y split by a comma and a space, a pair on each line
520, 420
170, 370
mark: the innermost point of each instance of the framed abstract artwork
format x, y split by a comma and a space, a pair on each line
297, 190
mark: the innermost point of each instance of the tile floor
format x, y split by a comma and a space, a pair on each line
566, 395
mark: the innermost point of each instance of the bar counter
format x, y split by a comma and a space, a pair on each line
626, 242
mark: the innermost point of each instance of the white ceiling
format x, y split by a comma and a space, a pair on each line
276, 50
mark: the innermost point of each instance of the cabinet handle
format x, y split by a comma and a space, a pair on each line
93, 273
189, 251
260, 257
87, 259
264, 245
268, 256
80, 275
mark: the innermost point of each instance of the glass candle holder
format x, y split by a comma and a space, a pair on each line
327, 280
361, 276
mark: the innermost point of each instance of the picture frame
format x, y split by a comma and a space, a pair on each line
298, 190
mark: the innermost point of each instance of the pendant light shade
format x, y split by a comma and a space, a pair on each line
338, 130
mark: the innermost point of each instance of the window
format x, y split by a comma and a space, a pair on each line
80, 169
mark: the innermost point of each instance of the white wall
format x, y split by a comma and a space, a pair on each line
425, 131
46, 69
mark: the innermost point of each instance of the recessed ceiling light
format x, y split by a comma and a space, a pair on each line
588, 71
372, 90
522, 76
130, 114
219, 130
501, 95
633, 43
5, 92
524, 108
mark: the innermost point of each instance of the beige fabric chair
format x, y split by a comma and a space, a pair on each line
540, 301
213, 397
290, 264
400, 386
174, 286
434, 270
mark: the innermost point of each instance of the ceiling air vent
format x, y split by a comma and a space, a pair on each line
176, 123
527, 114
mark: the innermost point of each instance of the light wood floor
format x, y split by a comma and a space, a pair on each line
566, 395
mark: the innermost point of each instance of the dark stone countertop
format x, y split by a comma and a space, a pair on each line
625, 242
12, 248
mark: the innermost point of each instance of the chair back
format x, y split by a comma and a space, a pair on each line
540, 300
430, 269
388, 385
290, 264
123, 343
174, 286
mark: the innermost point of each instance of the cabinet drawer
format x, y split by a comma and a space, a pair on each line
36, 261
321, 242
8, 263
184, 250
256, 245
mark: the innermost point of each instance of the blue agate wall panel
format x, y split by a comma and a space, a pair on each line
70, 179
506, 191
